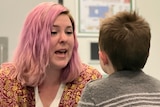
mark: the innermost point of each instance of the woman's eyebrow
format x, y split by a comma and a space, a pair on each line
70, 26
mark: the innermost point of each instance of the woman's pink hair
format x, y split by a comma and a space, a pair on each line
32, 54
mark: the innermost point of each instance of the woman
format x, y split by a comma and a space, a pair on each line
46, 70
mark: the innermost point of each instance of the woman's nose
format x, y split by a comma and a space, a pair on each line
63, 37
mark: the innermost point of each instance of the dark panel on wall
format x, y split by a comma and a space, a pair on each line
3, 49
94, 51
60, 1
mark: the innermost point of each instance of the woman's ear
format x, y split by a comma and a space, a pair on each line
103, 57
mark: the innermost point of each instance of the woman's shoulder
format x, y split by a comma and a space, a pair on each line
11, 89
7, 82
90, 71
6, 69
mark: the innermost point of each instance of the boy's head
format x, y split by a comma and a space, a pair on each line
125, 39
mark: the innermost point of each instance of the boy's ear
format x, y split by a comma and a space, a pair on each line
103, 57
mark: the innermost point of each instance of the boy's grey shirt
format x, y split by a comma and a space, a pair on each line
122, 89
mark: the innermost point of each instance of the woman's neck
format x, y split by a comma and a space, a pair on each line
52, 77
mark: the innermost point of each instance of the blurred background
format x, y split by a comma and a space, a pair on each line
13, 13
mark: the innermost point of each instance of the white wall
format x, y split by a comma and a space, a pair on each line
13, 13
149, 9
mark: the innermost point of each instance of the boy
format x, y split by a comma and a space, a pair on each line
124, 43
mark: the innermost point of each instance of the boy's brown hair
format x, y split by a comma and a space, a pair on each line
125, 37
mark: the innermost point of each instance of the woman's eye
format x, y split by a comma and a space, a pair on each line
69, 33
53, 33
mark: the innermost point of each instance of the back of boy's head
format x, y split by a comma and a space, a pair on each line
125, 37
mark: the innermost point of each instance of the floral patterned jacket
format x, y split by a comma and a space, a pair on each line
12, 94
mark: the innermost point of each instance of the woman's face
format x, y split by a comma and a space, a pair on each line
62, 42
